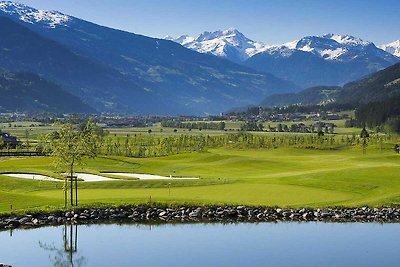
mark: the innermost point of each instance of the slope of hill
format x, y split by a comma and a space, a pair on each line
311, 96
377, 99
379, 86
156, 76
27, 92
22, 49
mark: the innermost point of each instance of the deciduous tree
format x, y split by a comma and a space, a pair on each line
69, 146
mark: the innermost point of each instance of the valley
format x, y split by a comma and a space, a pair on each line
278, 144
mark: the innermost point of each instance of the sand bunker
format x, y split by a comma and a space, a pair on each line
83, 176
93, 177
32, 176
142, 176
86, 177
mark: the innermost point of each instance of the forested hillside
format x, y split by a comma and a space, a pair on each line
28, 92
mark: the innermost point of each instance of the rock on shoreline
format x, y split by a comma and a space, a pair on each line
201, 214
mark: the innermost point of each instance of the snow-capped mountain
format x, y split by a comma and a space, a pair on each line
330, 59
230, 44
50, 19
330, 47
392, 48
233, 45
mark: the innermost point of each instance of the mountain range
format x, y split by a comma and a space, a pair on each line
25, 50
120, 72
113, 71
330, 59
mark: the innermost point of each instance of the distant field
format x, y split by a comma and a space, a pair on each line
21, 129
280, 177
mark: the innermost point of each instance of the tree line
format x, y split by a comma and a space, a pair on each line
320, 128
143, 146
194, 125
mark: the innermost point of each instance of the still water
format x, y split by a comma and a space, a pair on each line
243, 244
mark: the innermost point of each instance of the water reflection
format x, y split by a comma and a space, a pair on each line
68, 254
198, 245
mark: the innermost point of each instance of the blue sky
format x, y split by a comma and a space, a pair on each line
269, 21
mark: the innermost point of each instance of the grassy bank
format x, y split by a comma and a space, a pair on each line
286, 177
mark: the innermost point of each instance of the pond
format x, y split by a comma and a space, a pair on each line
241, 244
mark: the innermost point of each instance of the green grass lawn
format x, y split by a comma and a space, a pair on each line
287, 177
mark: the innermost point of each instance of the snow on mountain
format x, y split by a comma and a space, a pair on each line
347, 39
233, 45
27, 14
183, 39
329, 59
392, 48
230, 44
333, 47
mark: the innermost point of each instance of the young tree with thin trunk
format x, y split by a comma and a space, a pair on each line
69, 146
364, 135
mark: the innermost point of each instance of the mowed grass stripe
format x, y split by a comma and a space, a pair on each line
240, 194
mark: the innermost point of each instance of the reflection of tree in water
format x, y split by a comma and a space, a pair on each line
65, 256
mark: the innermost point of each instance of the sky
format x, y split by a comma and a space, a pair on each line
268, 21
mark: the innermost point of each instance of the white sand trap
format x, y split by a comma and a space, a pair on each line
149, 176
32, 176
84, 176
93, 177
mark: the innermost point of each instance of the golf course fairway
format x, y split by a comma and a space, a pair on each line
284, 177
